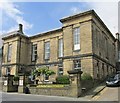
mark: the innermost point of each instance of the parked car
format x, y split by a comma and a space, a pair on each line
113, 80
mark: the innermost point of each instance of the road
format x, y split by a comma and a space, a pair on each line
108, 94
30, 97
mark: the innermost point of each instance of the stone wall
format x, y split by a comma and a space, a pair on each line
69, 91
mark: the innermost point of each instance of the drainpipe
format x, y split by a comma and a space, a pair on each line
20, 49
20, 30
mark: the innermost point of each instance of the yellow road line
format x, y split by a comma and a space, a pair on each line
99, 94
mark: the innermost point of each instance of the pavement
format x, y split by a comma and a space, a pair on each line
107, 94
94, 91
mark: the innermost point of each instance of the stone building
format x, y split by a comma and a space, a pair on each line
117, 45
83, 42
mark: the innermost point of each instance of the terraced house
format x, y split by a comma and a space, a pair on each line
83, 42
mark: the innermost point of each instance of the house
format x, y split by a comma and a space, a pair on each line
83, 42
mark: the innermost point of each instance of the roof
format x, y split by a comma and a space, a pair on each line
87, 13
92, 12
13, 34
75, 16
47, 32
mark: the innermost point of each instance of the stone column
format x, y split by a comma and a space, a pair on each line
76, 89
21, 86
8, 84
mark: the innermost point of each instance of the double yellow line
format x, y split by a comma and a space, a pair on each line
99, 94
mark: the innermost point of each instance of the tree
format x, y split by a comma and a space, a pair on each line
43, 71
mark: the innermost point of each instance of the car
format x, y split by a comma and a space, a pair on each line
113, 80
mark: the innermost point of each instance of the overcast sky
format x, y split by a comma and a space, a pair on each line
43, 16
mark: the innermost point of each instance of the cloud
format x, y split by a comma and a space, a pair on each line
108, 12
75, 10
12, 11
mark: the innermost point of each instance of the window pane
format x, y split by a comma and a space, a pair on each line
60, 48
9, 52
77, 64
76, 38
60, 70
47, 50
34, 52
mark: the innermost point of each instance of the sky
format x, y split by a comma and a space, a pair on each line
39, 17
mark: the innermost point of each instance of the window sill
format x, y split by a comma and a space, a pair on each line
34, 61
60, 57
9, 61
76, 50
46, 59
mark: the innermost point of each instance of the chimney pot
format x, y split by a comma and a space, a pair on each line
21, 28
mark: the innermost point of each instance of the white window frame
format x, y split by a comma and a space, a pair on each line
60, 70
34, 52
60, 47
47, 50
9, 52
7, 70
78, 67
76, 38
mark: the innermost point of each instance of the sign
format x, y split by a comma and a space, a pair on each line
21, 82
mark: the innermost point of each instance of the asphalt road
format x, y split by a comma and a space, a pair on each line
107, 94
30, 97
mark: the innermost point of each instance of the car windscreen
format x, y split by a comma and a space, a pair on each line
111, 79
117, 76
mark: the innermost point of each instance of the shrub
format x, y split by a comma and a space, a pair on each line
16, 78
64, 79
86, 76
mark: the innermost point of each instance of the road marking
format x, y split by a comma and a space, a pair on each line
99, 94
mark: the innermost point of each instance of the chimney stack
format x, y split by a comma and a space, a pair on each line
118, 36
21, 28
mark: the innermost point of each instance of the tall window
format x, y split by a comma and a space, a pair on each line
98, 69
34, 52
60, 70
76, 36
7, 70
60, 47
103, 69
47, 50
106, 47
9, 52
107, 70
77, 64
